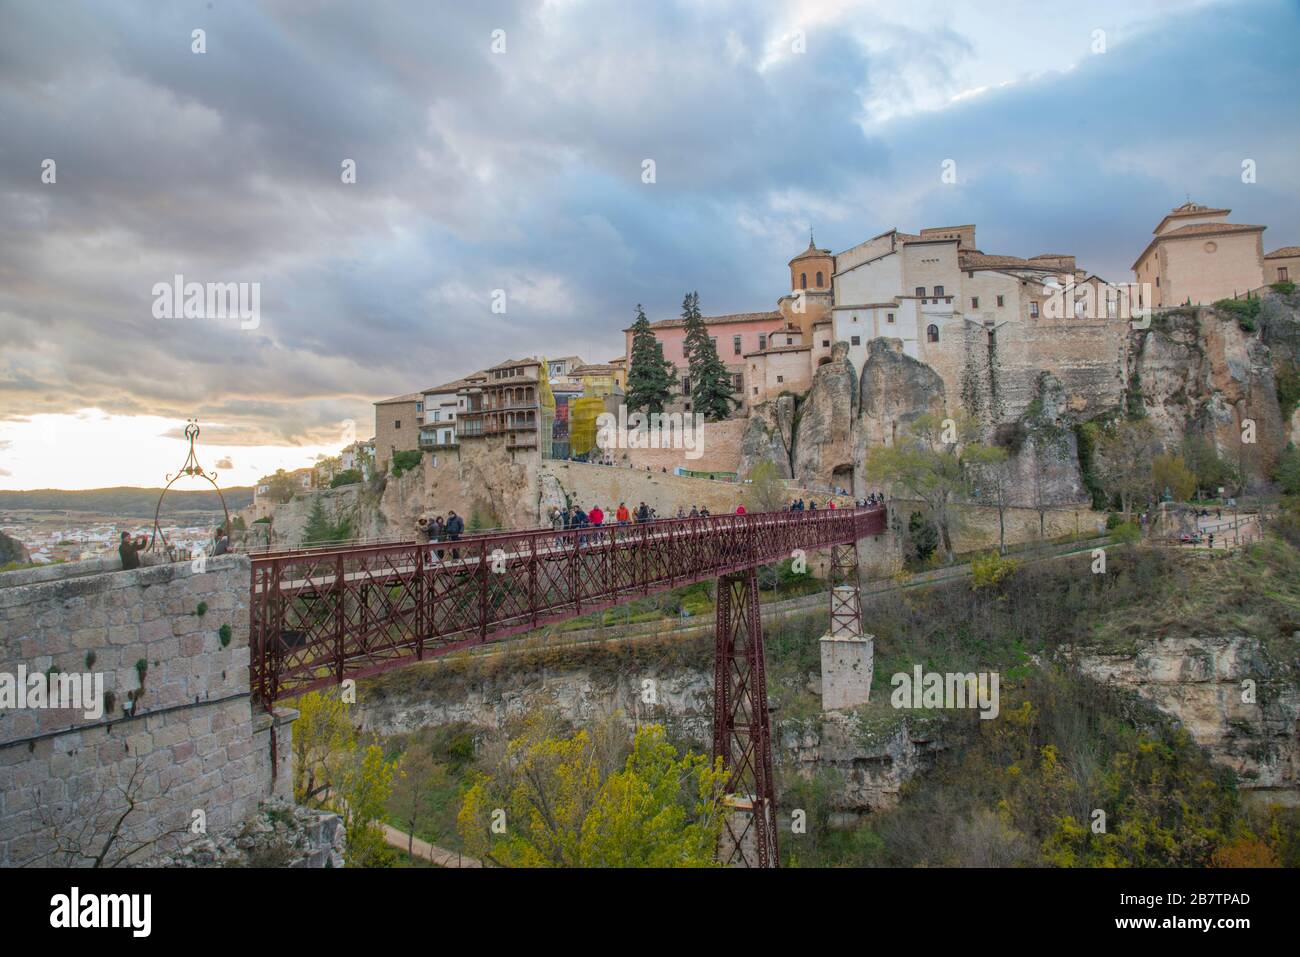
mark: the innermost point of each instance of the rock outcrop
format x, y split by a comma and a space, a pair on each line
824, 439
895, 390
1233, 701
769, 437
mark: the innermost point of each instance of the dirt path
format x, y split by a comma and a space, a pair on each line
426, 851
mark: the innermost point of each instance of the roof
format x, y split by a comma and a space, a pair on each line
717, 320
512, 363
454, 385
974, 259
593, 368
409, 397
775, 349
1286, 252
1198, 229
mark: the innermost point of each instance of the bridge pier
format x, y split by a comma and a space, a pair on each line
742, 734
848, 656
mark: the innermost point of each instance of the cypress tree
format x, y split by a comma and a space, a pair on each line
650, 377
711, 393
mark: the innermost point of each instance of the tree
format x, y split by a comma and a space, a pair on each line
990, 465
418, 776
1212, 471
322, 736
767, 493
711, 391
1126, 450
346, 477
364, 789
320, 530
280, 487
1169, 471
926, 463
650, 377
558, 802
1287, 473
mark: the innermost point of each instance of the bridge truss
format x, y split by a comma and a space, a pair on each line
322, 615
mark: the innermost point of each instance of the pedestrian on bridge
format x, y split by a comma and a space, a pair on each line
622, 516
596, 516
454, 528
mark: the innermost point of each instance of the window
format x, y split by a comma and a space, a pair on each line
920, 292
938, 292
737, 382
762, 341
1157, 282
1281, 274
1033, 310
803, 280
755, 390
419, 407
932, 333
819, 280
686, 385
436, 414
780, 378
735, 344
826, 343
397, 423
999, 302
974, 302
856, 340
889, 317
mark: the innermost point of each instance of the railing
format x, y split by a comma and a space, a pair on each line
318, 616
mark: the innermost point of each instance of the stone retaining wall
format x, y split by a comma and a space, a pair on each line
181, 735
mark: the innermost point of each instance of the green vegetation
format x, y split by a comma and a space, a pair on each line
346, 477
320, 530
1287, 473
404, 461
651, 378
1285, 287
1245, 311
711, 387
584, 800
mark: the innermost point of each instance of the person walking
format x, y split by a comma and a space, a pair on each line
622, 516
596, 516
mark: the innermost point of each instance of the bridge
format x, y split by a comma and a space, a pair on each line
319, 616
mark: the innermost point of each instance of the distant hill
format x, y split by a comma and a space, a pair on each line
125, 501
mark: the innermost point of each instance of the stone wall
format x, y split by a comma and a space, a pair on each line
720, 448
181, 734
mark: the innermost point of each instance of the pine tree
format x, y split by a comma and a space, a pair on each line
650, 377
711, 392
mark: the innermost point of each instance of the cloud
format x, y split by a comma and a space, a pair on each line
522, 172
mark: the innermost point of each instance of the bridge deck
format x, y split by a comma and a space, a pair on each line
319, 616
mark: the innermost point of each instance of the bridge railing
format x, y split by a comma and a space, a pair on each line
318, 616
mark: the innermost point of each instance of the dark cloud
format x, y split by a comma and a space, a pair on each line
522, 172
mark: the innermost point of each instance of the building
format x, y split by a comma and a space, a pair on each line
1282, 265
733, 335
397, 427
359, 456
512, 399
1198, 257
438, 419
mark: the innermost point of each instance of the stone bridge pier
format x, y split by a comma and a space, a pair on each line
847, 654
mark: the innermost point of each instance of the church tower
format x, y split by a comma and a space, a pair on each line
810, 297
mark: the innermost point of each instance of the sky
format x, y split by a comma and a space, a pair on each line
502, 146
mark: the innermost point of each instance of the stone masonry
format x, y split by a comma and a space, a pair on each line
179, 733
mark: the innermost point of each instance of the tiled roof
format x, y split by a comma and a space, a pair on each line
409, 397
511, 363
718, 320
593, 368
454, 385
1204, 229
1286, 252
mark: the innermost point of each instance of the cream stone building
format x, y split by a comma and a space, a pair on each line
1198, 257
1282, 265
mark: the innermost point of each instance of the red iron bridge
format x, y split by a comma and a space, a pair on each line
319, 616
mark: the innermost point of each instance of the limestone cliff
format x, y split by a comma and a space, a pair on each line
769, 437
895, 390
1234, 701
824, 452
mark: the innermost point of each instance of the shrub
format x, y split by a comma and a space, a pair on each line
346, 477
405, 461
989, 571
1125, 533
1245, 311
1285, 287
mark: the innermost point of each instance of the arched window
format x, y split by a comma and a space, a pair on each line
932, 333
803, 280
819, 280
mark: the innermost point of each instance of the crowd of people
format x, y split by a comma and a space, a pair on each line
439, 529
